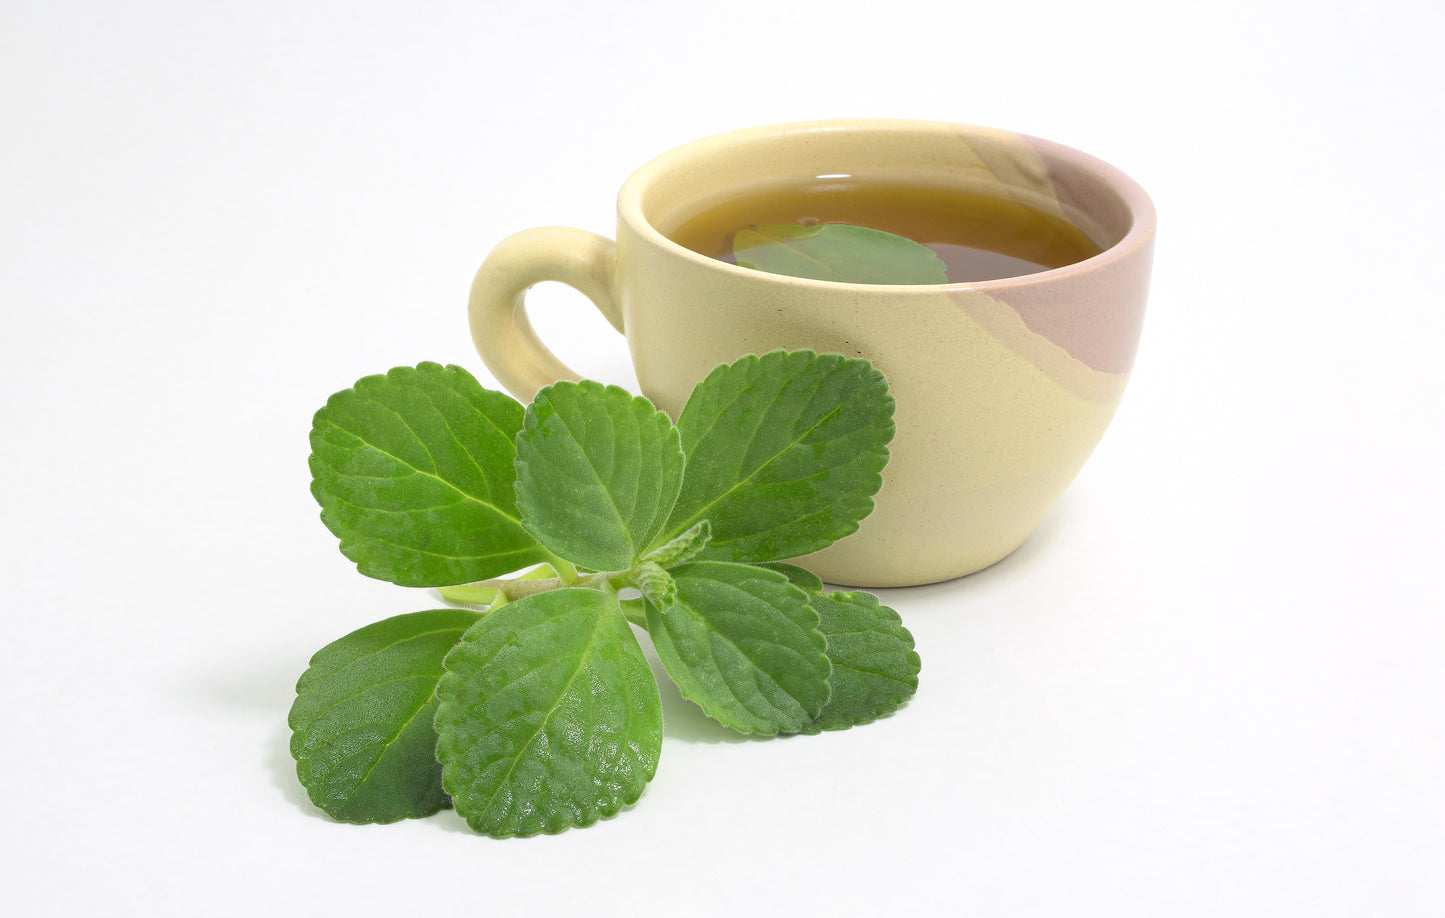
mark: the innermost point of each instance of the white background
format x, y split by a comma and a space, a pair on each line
1209, 685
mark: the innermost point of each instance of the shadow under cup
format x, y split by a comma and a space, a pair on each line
1003, 387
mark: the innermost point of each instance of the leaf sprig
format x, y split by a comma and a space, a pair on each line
541, 713
839, 252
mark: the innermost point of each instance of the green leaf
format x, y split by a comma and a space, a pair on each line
683, 548
598, 473
635, 610
743, 644
655, 584
413, 472
549, 716
802, 578
875, 668
363, 739
838, 252
784, 453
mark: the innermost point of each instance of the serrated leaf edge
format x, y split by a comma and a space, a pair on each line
815, 637
589, 819
352, 544
298, 730
397, 375
530, 422
877, 711
873, 471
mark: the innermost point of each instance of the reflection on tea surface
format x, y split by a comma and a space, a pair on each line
978, 236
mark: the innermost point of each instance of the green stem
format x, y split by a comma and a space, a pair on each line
488, 590
496, 593
540, 572
517, 589
471, 594
565, 570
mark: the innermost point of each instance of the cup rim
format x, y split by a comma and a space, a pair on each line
1140, 206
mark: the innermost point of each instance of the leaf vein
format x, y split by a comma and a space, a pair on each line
331, 674
389, 743
583, 659
447, 426
619, 522
887, 677
523, 552
688, 524
357, 694
403, 463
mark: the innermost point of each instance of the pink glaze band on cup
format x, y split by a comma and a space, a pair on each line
1003, 387
1093, 310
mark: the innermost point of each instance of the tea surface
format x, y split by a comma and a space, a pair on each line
978, 236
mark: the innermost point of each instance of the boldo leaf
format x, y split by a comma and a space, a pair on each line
683, 548
838, 252
598, 473
414, 474
802, 578
743, 644
655, 584
362, 732
875, 668
549, 716
784, 453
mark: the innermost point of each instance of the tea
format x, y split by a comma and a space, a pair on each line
978, 236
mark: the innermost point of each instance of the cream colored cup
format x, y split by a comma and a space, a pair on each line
1003, 387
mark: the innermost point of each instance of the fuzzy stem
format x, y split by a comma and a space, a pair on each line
499, 592
565, 570
472, 594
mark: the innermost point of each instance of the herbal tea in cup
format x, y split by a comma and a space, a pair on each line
842, 229
997, 280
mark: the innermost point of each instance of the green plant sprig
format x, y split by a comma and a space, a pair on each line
838, 252
540, 712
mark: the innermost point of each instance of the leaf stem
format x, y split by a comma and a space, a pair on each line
471, 594
496, 592
635, 611
517, 589
565, 569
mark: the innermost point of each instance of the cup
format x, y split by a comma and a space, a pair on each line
1003, 387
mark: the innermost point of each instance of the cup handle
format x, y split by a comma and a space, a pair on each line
497, 308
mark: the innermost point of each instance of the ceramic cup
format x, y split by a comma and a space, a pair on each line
1003, 387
